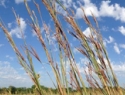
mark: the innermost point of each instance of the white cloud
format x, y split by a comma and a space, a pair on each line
122, 30
10, 25
1, 45
108, 41
87, 32
60, 9
112, 10
116, 48
119, 67
111, 39
89, 7
84, 61
16, 31
9, 57
20, 1
79, 13
74, 5
105, 43
2, 3
122, 46
106, 9
80, 68
116, 67
87, 1
10, 76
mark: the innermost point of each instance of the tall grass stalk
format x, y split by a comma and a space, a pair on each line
92, 48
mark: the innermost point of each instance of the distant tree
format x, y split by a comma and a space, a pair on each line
12, 89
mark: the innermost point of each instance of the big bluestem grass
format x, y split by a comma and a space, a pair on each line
92, 48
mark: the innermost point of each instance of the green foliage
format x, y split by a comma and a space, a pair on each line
12, 89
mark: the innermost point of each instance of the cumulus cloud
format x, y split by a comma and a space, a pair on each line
87, 1
116, 48
88, 7
122, 46
10, 76
108, 41
112, 10
111, 39
16, 31
20, 1
106, 9
122, 30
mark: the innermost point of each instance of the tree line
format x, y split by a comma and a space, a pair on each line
24, 90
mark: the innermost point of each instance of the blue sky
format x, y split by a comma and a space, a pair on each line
111, 18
